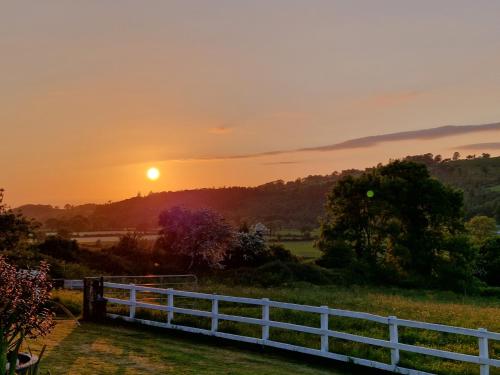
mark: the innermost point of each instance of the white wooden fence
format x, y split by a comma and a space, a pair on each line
483, 336
73, 284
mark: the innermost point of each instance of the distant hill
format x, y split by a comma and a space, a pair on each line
44, 212
294, 204
480, 181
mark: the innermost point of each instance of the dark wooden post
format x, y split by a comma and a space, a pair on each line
86, 298
101, 287
98, 301
95, 290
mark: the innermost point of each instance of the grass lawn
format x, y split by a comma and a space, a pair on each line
302, 249
115, 350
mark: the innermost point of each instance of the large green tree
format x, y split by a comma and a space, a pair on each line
395, 221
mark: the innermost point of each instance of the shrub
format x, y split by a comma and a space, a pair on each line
278, 273
249, 250
24, 295
60, 248
279, 252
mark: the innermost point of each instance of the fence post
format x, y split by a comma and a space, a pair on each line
215, 312
483, 351
170, 302
265, 319
132, 301
86, 298
394, 339
324, 327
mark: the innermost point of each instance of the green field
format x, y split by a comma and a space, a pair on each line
429, 306
496, 189
92, 349
302, 249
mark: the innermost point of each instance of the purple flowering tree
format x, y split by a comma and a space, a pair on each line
24, 295
202, 238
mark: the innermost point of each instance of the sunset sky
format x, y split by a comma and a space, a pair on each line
233, 92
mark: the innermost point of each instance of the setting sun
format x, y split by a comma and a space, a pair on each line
153, 174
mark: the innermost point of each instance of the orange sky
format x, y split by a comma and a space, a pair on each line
93, 93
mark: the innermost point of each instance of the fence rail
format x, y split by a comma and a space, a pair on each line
323, 332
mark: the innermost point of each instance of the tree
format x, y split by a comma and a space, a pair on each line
456, 268
260, 229
15, 229
79, 223
244, 228
489, 264
59, 248
193, 239
53, 224
481, 229
393, 219
134, 251
249, 250
456, 156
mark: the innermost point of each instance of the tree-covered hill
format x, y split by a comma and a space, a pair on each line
278, 204
480, 181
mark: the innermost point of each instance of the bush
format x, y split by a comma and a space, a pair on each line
279, 252
336, 254
278, 273
490, 291
60, 248
249, 250
23, 313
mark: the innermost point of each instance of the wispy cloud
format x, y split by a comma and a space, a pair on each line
390, 99
220, 130
481, 146
423, 134
282, 162
365, 142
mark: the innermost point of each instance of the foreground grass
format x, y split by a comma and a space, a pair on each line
92, 349
428, 306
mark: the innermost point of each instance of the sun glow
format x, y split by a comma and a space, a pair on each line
153, 173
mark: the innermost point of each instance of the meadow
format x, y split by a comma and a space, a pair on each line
302, 249
430, 306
